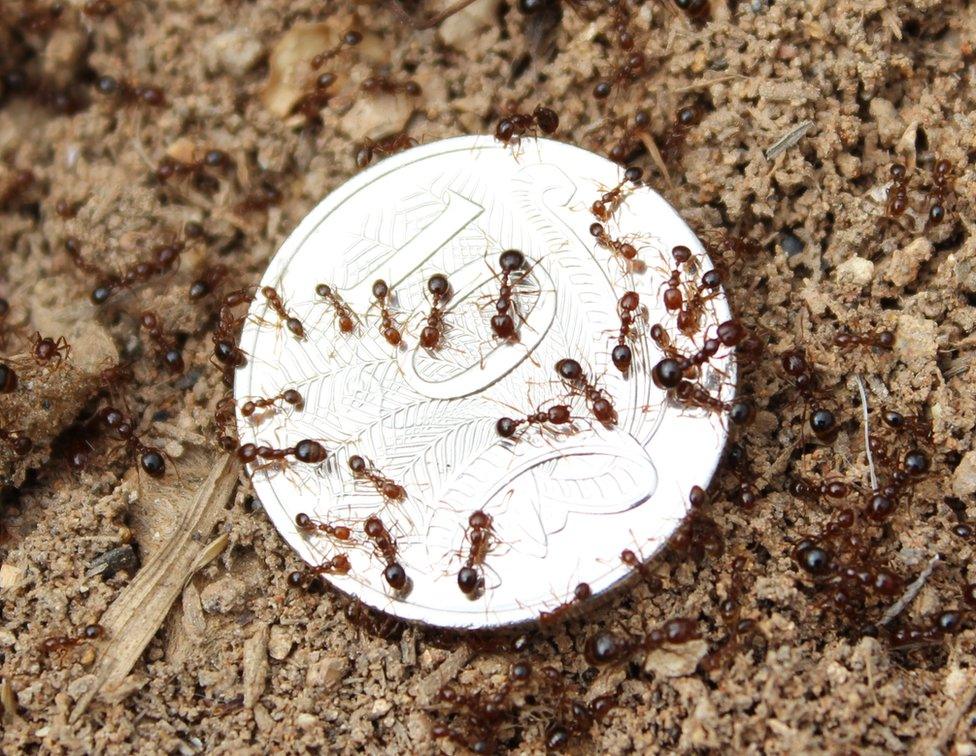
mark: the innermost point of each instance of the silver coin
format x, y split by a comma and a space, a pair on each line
564, 501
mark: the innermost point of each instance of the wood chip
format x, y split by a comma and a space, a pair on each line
135, 616
255, 665
10, 576
789, 139
8, 701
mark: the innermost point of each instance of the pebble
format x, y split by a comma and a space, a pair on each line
964, 478
326, 672
236, 51
306, 720
906, 262
459, 29
223, 595
279, 642
676, 661
858, 271
380, 708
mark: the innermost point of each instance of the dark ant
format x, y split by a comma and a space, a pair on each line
606, 647
604, 208
151, 459
914, 425
275, 303
948, 622
18, 441
14, 187
440, 289
98, 8
307, 578
622, 355
350, 39
388, 326
942, 180
634, 62
513, 127
288, 396
260, 199
696, 10
897, 202
480, 538
207, 282
684, 121
617, 246
225, 417
814, 492
66, 209
49, 352
344, 316
170, 167
378, 84
848, 339
369, 148
165, 257
307, 525
598, 400
166, 350
129, 93
502, 322
739, 628
394, 574
226, 352
557, 414
62, 642
631, 143
389, 489
307, 451
8, 379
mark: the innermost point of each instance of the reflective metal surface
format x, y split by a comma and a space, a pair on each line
564, 503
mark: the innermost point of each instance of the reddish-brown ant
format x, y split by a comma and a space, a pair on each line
610, 201
4, 313
130, 93
880, 339
598, 400
394, 574
580, 593
196, 170
275, 302
697, 10
630, 144
684, 121
350, 39
389, 145
8, 379
307, 451
388, 327
48, 352
288, 396
379, 84
480, 538
306, 578
344, 316
207, 282
610, 648
942, 181
897, 202
165, 257
307, 525
57, 643
622, 355
151, 459
257, 200
167, 353
513, 127
14, 187
389, 489
914, 425
440, 289
620, 247
557, 414
98, 8
18, 441
502, 322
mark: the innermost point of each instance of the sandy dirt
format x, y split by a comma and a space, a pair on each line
241, 661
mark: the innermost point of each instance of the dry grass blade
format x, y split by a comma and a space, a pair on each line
8, 701
788, 140
135, 616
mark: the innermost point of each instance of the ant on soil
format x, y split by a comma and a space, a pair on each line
684, 121
60, 643
17, 441
942, 189
129, 93
167, 353
389, 145
151, 460
196, 170
48, 352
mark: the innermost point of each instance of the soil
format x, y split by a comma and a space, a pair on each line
242, 662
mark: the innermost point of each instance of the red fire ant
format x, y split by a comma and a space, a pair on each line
368, 148
288, 396
502, 323
598, 400
687, 118
511, 129
557, 414
622, 355
897, 202
307, 525
266, 195
626, 250
480, 538
378, 84
344, 316
166, 350
14, 187
880, 339
8, 379
394, 574
350, 39
129, 93
208, 280
609, 648
389, 489
275, 303
604, 208
151, 459
47, 352
170, 167
307, 451
942, 180
630, 144
18, 441
58, 643
440, 289
337, 565
388, 326
580, 594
